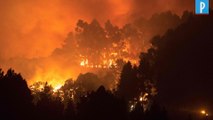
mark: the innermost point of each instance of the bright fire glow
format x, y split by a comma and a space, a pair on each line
105, 64
143, 98
57, 87
84, 62
203, 112
54, 76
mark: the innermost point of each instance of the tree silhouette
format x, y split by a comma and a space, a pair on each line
88, 82
156, 112
138, 113
128, 84
49, 107
113, 32
15, 97
102, 105
180, 62
184, 62
70, 111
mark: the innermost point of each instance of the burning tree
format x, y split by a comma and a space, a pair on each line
100, 47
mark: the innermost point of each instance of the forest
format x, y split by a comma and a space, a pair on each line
172, 78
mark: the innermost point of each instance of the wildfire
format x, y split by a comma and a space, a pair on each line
106, 57
203, 112
104, 64
84, 62
57, 87
143, 98
53, 75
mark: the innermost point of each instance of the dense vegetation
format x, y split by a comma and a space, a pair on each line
175, 71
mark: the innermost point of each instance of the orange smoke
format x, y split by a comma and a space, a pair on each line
35, 28
32, 30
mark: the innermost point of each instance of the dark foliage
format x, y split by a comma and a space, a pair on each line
184, 62
49, 107
102, 105
15, 97
179, 63
128, 86
16, 104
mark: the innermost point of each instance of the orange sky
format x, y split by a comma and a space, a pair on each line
34, 28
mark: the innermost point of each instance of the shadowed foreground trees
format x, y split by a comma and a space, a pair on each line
16, 104
49, 107
180, 63
184, 63
102, 105
128, 86
15, 97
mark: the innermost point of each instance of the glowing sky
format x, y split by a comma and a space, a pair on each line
34, 28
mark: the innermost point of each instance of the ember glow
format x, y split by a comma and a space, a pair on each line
77, 58
65, 45
32, 30
52, 76
203, 112
70, 38
57, 87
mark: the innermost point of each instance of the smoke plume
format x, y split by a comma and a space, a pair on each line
31, 30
